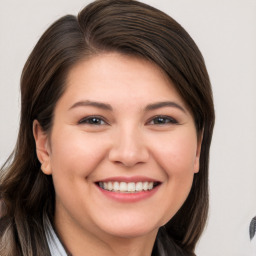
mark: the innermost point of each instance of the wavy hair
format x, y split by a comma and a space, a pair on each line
127, 27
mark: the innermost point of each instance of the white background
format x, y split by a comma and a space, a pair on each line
225, 31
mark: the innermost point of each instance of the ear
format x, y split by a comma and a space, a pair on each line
198, 153
42, 147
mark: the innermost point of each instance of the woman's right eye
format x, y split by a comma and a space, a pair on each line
92, 120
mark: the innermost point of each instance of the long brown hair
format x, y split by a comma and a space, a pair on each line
124, 26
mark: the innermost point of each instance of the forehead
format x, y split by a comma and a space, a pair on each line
115, 73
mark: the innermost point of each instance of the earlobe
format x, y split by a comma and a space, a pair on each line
46, 168
42, 147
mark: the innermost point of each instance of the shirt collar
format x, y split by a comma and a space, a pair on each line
54, 244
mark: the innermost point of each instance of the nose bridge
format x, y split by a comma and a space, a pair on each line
129, 147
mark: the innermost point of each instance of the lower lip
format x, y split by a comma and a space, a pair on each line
129, 197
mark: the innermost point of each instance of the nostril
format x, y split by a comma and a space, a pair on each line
128, 159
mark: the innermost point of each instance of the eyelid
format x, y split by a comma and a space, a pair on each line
172, 120
84, 119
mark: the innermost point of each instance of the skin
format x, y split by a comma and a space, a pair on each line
127, 141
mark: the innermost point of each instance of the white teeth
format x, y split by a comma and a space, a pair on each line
110, 187
123, 186
145, 185
116, 186
139, 186
130, 187
150, 185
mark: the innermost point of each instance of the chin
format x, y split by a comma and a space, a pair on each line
130, 233
130, 229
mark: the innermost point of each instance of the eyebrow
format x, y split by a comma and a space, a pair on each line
164, 104
96, 104
108, 107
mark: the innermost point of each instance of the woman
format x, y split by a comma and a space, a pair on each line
113, 148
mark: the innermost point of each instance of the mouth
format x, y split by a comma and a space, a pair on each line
127, 187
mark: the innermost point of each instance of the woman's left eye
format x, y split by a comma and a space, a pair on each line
162, 120
92, 120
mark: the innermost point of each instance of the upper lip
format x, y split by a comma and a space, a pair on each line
128, 179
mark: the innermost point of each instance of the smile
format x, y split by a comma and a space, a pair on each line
128, 187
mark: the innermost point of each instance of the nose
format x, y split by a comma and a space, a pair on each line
129, 148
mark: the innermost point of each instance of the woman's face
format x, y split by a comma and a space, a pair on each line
123, 148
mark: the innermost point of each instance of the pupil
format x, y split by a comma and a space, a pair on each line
95, 120
160, 120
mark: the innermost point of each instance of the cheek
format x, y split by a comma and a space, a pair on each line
74, 153
177, 154
176, 158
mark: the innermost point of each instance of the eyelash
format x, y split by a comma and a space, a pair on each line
90, 120
164, 120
